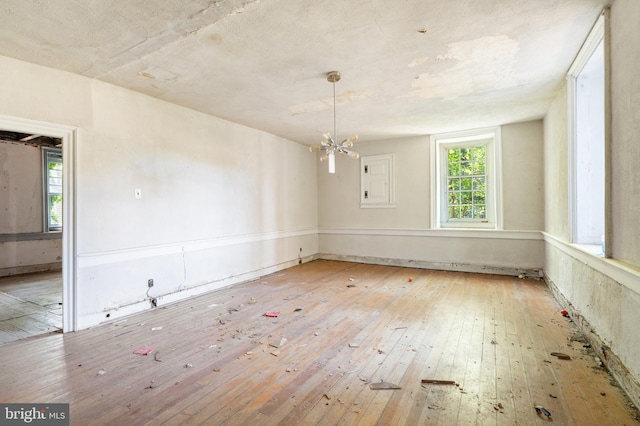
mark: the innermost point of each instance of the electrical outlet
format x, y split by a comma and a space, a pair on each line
150, 282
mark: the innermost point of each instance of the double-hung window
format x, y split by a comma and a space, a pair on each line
587, 99
52, 189
465, 171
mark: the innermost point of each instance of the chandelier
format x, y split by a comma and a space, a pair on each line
329, 146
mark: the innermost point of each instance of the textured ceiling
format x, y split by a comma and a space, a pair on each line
408, 66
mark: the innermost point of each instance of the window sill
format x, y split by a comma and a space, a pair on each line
593, 249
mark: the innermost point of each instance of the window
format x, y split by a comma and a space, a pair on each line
376, 181
586, 87
52, 184
465, 168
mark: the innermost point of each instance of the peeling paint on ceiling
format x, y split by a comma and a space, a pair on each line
476, 66
263, 63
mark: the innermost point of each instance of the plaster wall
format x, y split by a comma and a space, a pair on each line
221, 203
21, 213
625, 126
556, 167
402, 234
20, 188
603, 293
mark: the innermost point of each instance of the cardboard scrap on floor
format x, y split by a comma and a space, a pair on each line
384, 386
143, 351
437, 382
560, 355
278, 344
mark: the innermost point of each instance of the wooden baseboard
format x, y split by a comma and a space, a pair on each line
439, 266
614, 365
29, 269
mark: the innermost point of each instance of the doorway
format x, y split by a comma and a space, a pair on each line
58, 207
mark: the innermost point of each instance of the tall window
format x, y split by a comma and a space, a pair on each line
464, 179
586, 85
52, 173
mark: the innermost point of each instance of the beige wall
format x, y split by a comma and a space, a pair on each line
625, 93
21, 213
20, 188
402, 235
221, 203
556, 167
523, 176
603, 294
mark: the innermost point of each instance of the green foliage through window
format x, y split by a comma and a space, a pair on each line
467, 182
53, 189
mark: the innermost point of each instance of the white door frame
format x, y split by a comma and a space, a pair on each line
68, 136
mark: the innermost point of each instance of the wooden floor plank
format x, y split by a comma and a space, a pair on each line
492, 335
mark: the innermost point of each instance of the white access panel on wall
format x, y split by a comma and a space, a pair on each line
376, 178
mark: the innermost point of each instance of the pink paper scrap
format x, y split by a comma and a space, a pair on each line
143, 351
272, 314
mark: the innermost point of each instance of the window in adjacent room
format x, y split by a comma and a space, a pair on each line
586, 86
52, 185
465, 171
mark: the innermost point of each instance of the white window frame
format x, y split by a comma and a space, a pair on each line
47, 155
597, 37
439, 167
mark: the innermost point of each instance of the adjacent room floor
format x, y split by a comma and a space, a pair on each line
341, 328
30, 305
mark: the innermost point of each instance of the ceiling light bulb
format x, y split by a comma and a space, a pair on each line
354, 155
332, 162
314, 148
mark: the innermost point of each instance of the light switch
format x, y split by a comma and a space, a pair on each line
138, 193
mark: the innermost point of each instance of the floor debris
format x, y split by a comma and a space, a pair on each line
278, 344
297, 309
272, 314
384, 386
560, 355
351, 285
410, 279
354, 345
188, 365
541, 410
156, 357
437, 382
156, 328
564, 313
143, 351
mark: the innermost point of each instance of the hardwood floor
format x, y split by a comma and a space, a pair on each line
346, 326
30, 305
